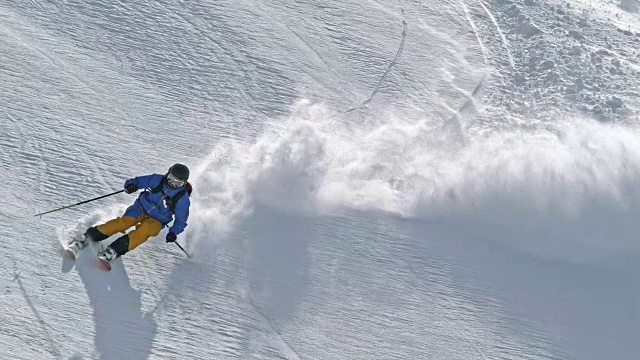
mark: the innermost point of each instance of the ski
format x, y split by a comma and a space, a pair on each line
104, 264
73, 249
70, 254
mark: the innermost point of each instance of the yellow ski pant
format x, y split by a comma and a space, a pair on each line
145, 228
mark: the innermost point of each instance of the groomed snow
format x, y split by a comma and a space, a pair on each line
403, 180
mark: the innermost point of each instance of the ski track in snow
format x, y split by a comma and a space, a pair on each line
502, 37
391, 65
475, 30
473, 210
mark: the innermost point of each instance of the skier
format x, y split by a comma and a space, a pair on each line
164, 197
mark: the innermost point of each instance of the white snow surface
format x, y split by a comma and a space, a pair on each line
373, 180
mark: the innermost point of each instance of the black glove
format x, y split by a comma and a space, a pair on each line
131, 187
171, 237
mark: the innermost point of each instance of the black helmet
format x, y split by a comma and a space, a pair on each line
180, 171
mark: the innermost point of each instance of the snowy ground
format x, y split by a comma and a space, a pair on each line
373, 180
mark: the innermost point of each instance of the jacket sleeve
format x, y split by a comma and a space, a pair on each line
146, 181
181, 213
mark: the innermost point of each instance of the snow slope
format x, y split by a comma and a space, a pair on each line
372, 180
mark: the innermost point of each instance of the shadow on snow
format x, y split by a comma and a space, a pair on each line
122, 331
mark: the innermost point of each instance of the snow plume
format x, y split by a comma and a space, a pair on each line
547, 183
569, 189
284, 168
66, 234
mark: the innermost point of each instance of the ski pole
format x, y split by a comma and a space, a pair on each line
80, 203
186, 253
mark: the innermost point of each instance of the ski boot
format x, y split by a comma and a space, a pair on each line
105, 257
92, 234
74, 248
108, 254
113, 251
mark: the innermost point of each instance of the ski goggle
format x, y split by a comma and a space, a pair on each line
174, 182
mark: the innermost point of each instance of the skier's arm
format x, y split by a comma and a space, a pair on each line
181, 215
146, 181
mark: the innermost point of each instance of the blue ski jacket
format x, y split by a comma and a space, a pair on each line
154, 205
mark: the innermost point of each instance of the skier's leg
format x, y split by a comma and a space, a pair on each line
101, 232
119, 224
146, 229
131, 216
92, 233
104, 231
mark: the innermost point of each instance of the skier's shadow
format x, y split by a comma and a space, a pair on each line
122, 331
